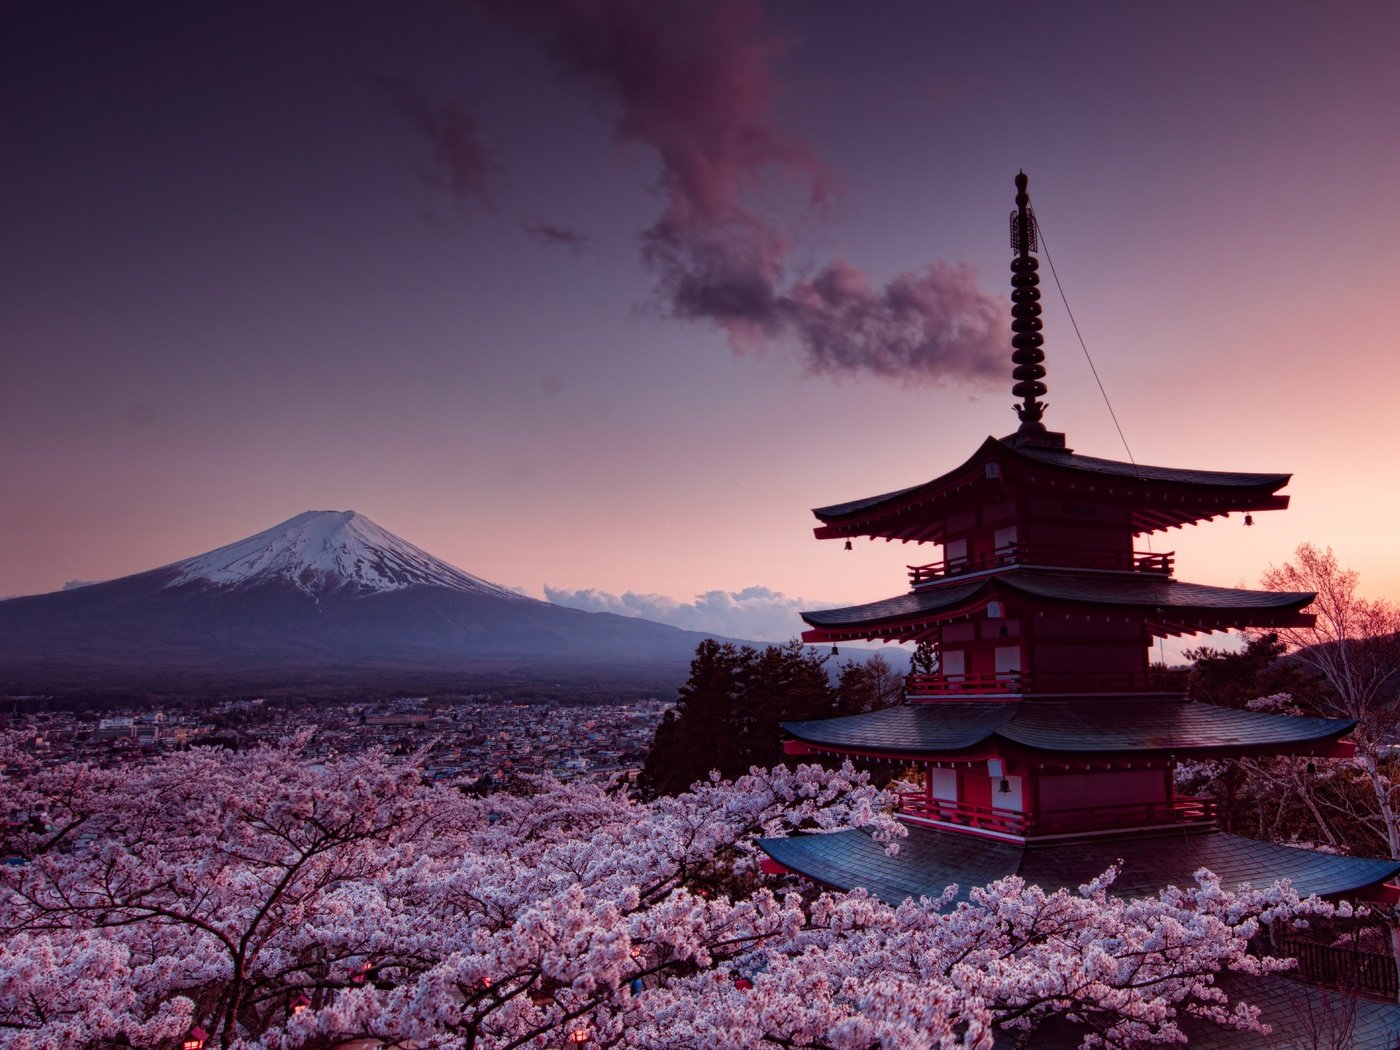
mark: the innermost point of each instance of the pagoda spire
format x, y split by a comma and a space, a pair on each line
1025, 319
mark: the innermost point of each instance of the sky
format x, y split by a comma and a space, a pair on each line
597, 298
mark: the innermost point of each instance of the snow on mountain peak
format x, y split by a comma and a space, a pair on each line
327, 550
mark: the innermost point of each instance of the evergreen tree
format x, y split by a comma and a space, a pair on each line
1234, 678
868, 686
728, 712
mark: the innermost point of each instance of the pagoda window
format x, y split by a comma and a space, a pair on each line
953, 663
955, 555
1008, 659
1003, 540
943, 785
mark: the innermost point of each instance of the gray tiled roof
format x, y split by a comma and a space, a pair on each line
1097, 726
909, 728
1300, 1016
1160, 726
1218, 479
930, 860
1180, 475
1143, 590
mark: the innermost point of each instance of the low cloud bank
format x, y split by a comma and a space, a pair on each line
756, 613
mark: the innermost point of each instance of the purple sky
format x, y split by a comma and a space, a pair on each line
604, 296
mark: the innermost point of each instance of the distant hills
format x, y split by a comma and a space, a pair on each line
325, 598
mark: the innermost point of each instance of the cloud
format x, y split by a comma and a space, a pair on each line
460, 161
695, 84
73, 585
554, 235
754, 613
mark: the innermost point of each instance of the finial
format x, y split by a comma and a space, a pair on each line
1025, 317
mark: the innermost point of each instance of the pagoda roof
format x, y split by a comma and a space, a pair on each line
1171, 604
929, 860
1113, 726
895, 515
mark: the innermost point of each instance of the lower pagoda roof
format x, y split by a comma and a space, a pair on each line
1300, 1017
1171, 606
1119, 725
930, 860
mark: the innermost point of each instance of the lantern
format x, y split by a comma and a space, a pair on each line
300, 1003
578, 1036
195, 1039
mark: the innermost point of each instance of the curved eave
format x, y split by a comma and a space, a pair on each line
1161, 497
929, 860
1168, 607
907, 729
1057, 729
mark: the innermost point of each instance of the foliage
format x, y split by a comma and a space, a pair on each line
925, 658
1230, 678
867, 686
279, 903
728, 712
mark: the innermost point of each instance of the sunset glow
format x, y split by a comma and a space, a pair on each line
585, 300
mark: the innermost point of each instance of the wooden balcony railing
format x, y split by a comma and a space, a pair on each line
987, 818
1064, 557
951, 684
942, 685
1352, 970
1181, 810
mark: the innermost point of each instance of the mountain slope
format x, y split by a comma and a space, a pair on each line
326, 592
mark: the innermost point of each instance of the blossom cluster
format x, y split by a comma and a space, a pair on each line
261, 900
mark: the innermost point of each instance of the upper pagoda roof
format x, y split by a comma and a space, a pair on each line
930, 860
1079, 727
1160, 497
1171, 605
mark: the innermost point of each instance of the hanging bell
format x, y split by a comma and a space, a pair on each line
848, 545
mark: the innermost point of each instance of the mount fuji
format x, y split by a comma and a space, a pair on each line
328, 597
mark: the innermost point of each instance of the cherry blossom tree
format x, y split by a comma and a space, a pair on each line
284, 903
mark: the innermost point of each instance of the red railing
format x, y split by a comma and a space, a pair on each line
987, 818
920, 685
1064, 557
952, 684
1181, 810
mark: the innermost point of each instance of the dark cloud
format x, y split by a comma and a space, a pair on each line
553, 235
753, 613
73, 585
694, 82
460, 160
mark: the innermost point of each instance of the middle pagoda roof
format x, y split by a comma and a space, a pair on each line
1168, 606
1159, 497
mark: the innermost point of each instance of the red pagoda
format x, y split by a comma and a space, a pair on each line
1045, 742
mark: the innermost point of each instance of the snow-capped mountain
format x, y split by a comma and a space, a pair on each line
328, 550
326, 596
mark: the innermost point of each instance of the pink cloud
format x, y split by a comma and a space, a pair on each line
556, 235
461, 161
695, 83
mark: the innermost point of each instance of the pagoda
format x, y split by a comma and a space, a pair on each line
1045, 741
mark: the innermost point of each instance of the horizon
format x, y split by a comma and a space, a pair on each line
541, 316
